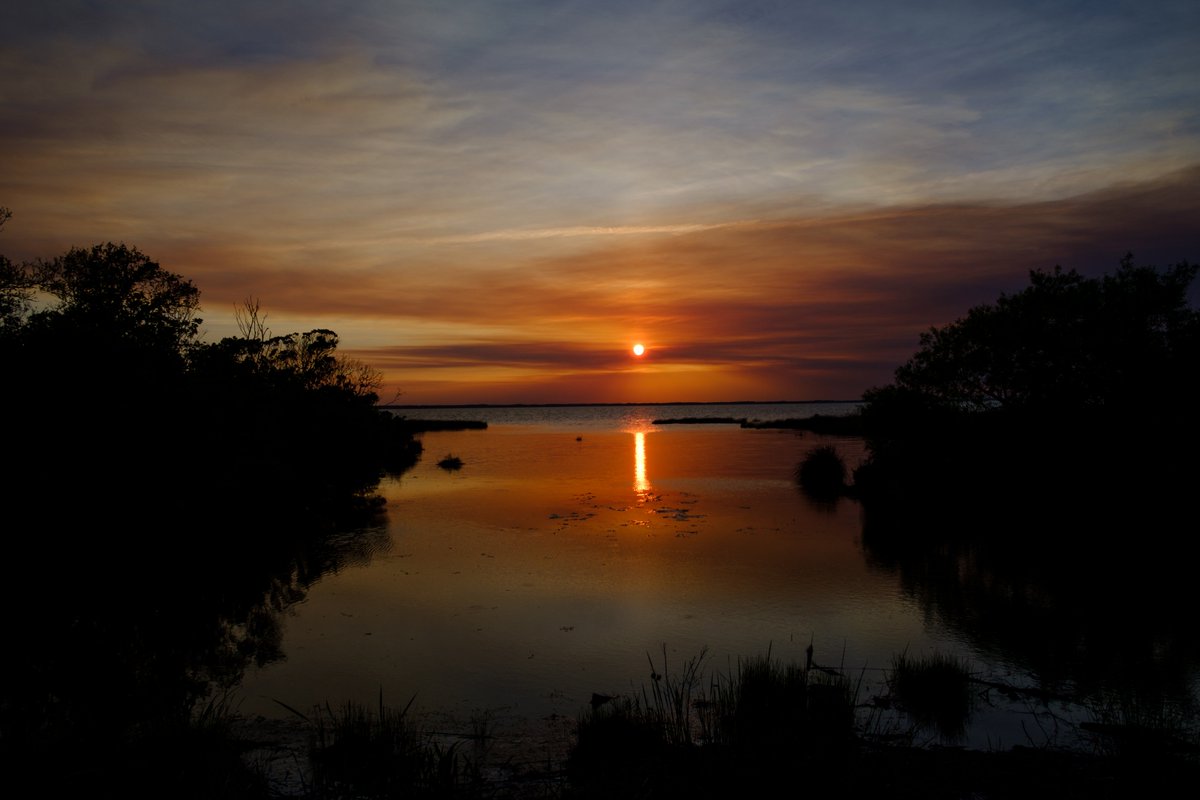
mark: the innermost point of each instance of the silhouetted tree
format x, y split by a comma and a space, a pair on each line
114, 305
1064, 342
165, 500
1028, 394
108, 365
16, 288
1029, 471
119, 289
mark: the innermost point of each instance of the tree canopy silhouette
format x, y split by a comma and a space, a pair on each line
1064, 342
15, 290
1071, 383
166, 499
103, 364
115, 291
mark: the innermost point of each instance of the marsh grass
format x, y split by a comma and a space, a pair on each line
935, 691
692, 735
1134, 728
360, 752
766, 712
670, 703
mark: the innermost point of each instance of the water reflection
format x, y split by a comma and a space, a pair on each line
541, 576
641, 483
120, 655
1093, 618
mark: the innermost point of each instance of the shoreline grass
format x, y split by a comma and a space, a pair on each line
697, 732
935, 691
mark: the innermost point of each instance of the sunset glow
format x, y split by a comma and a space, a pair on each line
639, 350
480, 200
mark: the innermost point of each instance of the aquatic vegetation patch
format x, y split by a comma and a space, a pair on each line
935, 691
451, 463
822, 473
717, 735
356, 751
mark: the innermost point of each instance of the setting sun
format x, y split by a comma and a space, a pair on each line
638, 349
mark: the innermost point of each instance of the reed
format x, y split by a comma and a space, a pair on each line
361, 752
690, 735
1144, 728
935, 691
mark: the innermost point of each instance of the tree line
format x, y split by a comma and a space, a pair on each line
112, 398
1075, 393
165, 501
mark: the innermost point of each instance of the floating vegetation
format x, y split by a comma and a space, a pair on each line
451, 463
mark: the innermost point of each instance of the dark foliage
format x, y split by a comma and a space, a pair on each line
1073, 388
165, 501
772, 725
1030, 470
736, 735
822, 473
1065, 343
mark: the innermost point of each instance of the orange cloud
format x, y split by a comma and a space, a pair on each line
796, 308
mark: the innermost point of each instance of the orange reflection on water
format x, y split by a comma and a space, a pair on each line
640, 482
533, 567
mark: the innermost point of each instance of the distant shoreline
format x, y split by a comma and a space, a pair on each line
618, 405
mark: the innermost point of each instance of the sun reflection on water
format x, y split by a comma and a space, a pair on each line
640, 482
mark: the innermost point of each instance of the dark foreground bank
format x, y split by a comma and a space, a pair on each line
766, 729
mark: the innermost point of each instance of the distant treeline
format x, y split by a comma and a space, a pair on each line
428, 425
847, 425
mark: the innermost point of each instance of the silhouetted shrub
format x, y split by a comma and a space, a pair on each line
451, 463
822, 473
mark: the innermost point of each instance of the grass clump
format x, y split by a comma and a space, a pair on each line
1136, 728
767, 713
935, 691
822, 473
721, 736
358, 752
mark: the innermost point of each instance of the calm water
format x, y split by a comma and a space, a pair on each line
626, 417
577, 541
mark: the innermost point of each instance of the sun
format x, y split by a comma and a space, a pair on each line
639, 349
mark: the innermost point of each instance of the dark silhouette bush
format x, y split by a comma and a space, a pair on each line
1072, 388
822, 473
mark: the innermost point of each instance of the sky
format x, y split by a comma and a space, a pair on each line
492, 201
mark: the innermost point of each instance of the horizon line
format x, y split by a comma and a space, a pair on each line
584, 405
